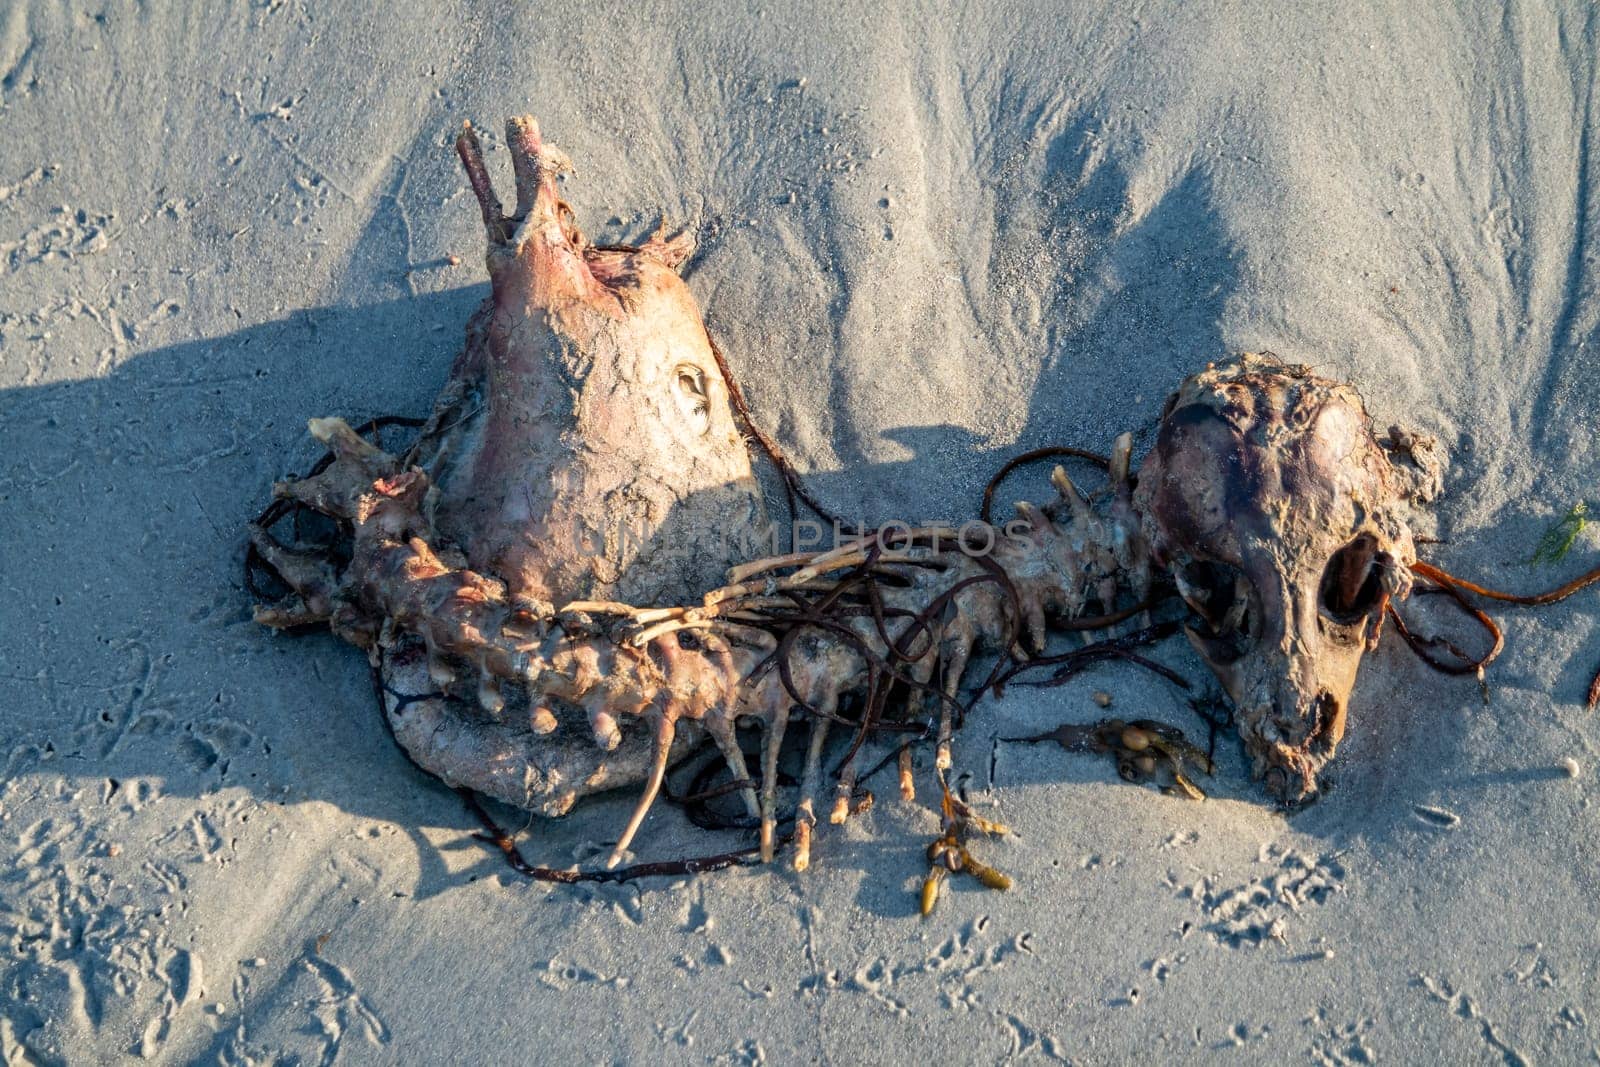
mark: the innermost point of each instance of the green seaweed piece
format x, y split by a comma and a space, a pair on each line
1559, 538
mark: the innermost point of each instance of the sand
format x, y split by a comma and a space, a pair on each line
928, 241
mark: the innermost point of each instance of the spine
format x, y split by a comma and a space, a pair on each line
874, 636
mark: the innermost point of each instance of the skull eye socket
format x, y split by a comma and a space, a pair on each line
1219, 594
1353, 582
689, 386
1216, 592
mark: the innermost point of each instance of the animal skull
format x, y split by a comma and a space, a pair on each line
1280, 519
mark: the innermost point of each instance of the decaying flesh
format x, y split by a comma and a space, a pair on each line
531, 577
584, 446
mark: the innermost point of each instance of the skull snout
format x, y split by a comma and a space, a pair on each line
1313, 725
1295, 733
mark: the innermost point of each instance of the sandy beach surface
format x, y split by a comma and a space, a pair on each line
929, 240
